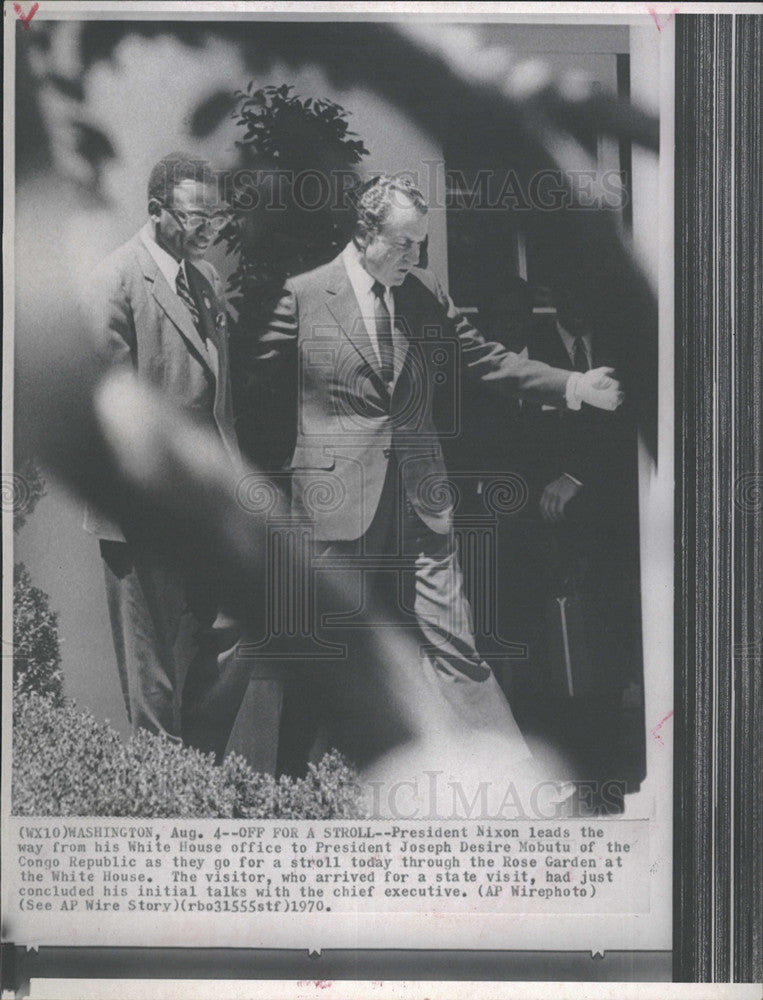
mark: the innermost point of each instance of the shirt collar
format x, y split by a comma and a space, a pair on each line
568, 339
360, 279
166, 263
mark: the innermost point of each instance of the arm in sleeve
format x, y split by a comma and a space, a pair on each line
270, 364
108, 318
492, 364
277, 343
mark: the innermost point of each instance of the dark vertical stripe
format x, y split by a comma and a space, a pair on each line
624, 145
719, 431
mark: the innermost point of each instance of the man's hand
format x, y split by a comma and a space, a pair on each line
597, 388
556, 496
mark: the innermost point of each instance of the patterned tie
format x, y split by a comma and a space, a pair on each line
184, 293
384, 333
579, 356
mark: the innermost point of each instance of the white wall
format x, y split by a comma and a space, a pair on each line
652, 75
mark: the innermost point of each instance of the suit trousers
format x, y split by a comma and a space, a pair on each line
169, 653
415, 577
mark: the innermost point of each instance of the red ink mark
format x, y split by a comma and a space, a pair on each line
25, 18
323, 984
656, 17
658, 727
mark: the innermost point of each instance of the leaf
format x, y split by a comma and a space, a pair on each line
70, 87
93, 144
210, 113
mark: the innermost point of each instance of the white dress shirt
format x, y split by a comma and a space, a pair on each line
362, 284
166, 263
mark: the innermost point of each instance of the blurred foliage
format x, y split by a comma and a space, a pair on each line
36, 651
65, 763
439, 81
341, 48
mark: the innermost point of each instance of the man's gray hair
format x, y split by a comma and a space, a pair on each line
375, 200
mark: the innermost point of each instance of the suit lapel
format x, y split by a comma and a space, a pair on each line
343, 306
170, 304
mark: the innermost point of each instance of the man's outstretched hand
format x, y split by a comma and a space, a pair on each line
598, 388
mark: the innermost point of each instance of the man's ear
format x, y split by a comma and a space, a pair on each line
360, 239
154, 208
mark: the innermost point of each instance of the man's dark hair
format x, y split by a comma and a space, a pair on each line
174, 168
375, 200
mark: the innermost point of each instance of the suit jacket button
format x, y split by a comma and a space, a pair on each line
387, 452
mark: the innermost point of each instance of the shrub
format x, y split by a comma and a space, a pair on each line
330, 790
36, 654
65, 763
284, 225
289, 141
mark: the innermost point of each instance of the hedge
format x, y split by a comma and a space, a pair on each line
36, 653
65, 763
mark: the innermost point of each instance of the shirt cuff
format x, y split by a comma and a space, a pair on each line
575, 481
572, 391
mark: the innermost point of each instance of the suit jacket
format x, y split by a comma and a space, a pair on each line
134, 318
598, 540
589, 444
348, 420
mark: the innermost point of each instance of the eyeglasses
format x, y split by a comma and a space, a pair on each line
195, 220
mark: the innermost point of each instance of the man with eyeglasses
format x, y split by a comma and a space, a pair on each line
359, 347
155, 304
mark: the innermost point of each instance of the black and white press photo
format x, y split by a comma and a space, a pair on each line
338, 486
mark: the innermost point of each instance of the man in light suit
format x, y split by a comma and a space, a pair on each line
156, 305
362, 342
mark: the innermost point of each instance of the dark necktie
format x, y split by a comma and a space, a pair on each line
384, 333
186, 297
579, 356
